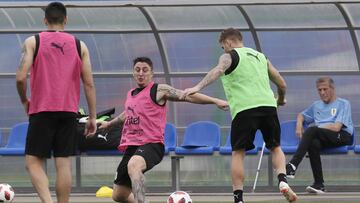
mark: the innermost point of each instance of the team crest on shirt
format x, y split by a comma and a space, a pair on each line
333, 111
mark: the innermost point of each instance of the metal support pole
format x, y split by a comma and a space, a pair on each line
175, 172
259, 166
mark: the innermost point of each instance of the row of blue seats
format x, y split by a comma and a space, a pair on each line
202, 137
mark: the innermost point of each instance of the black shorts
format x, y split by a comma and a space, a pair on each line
153, 153
246, 123
51, 132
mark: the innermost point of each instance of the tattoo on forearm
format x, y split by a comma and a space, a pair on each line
121, 119
215, 73
138, 189
22, 60
116, 121
173, 93
206, 81
209, 78
170, 92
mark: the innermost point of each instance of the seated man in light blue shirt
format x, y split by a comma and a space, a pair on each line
332, 127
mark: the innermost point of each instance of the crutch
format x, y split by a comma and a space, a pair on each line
258, 168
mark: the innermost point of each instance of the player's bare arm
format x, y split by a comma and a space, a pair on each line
279, 81
166, 92
89, 89
217, 71
26, 60
86, 76
223, 64
117, 121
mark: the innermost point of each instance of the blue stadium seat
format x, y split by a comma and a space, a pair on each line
170, 138
202, 137
258, 141
342, 149
289, 140
357, 145
226, 149
16, 140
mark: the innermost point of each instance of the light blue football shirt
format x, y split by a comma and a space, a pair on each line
321, 114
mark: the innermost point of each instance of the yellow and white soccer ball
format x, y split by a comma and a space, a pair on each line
7, 193
179, 197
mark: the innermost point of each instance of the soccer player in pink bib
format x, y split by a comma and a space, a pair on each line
57, 62
144, 120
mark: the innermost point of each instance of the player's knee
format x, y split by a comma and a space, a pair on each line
29, 166
120, 196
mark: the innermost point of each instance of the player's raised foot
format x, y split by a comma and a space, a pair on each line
288, 193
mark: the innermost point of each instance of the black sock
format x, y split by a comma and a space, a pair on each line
282, 177
238, 196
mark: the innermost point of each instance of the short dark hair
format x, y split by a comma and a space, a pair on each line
144, 59
327, 79
230, 33
55, 13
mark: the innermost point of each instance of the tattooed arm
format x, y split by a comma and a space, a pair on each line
223, 64
117, 121
27, 57
166, 92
